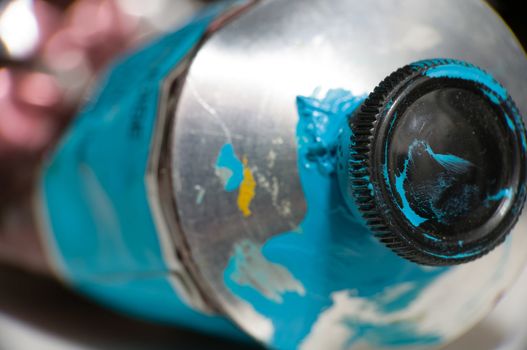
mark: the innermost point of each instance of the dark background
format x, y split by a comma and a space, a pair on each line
513, 11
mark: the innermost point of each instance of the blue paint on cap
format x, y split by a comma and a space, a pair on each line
427, 148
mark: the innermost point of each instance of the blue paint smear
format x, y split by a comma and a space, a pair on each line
410, 214
317, 137
492, 96
453, 165
450, 162
331, 251
458, 203
457, 256
492, 88
467, 72
395, 335
502, 194
510, 123
505, 193
227, 159
432, 238
524, 139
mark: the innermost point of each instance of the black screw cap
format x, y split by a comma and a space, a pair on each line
438, 162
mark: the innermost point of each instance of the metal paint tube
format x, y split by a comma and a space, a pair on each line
208, 181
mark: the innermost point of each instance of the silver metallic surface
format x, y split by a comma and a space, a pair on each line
242, 87
158, 179
161, 201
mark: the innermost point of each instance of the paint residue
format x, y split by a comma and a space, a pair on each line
318, 129
466, 72
450, 162
490, 87
235, 175
414, 218
247, 190
363, 320
330, 252
200, 193
432, 238
250, 268
272, 187
502, 194
433, 191
229, 168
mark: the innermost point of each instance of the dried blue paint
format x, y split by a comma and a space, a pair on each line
504, 193
229, 168
490, 86
466, 72
453, 165
252, 269
524, 139
458, 202
333, 252
450, 162
395, 335
318, 136
492, 96
514, 123
457, 256
432, 238
410, 214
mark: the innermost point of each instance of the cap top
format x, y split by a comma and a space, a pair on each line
442, 144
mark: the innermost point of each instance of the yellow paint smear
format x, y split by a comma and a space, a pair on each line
247, 190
